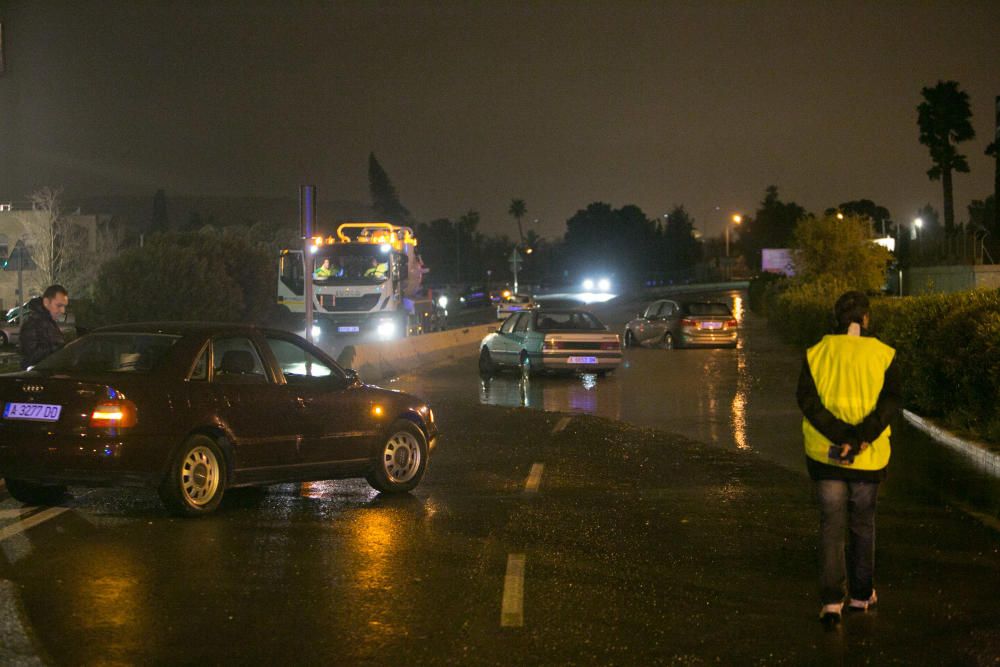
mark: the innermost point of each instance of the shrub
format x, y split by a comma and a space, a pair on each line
758, 290
184, 277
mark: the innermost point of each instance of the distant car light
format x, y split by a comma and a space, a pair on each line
443, 301
588, 284
316, 331
120, 413
604, 284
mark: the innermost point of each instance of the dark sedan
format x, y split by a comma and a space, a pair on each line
195, 409
669, 324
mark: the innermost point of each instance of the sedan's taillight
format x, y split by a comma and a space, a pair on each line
615, 345
119, 413
731, 324
688, 323
552, 344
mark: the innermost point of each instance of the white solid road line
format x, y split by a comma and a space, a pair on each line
512, 607
561, 424
31, 521
534, 478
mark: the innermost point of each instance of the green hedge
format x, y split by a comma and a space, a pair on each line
948, 346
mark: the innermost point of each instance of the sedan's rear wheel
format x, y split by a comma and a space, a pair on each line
668, 341
629, 338
3, 338
197, 478
30, 493
401, 459
486, 366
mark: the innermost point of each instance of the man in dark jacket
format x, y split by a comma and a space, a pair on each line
40, 333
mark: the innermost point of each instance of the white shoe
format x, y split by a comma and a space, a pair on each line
830, 613
863, 605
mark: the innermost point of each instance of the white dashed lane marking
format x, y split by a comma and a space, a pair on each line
30, 522
534, 478
512, 607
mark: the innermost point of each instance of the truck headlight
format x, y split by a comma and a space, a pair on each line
386, 329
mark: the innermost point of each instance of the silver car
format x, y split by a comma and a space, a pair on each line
669, 324
10, 330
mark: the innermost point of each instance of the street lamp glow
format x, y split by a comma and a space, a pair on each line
840, 216
918, 222
737, 218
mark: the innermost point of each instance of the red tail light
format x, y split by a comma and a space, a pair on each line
688, 323
613, 345
552, 344
119, 413
731, 324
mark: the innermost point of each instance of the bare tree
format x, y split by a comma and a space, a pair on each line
44, 229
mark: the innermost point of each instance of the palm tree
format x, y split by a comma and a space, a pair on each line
944, 120
518, 210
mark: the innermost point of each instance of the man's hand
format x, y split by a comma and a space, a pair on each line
845, 450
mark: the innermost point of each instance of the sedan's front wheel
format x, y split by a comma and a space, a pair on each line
197, 478
401, 459
486, 366
668, 341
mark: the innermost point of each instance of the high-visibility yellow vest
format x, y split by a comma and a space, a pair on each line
849, 372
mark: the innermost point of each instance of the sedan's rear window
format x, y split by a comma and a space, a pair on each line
572, 320
707, 309
111, 353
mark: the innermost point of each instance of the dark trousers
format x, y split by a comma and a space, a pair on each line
847, 510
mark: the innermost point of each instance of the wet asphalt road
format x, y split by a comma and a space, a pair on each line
639, 546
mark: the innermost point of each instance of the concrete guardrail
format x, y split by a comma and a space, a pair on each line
377, 361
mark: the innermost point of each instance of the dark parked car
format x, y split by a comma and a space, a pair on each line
670, 324
195, 409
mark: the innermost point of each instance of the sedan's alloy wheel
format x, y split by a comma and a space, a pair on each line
401, 457
200, 476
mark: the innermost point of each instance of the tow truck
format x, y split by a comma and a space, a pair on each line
370, 287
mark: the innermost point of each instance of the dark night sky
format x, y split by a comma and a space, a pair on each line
470, 104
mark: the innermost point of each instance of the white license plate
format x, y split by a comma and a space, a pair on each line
348, 329
711, 325
41, 412
582, 360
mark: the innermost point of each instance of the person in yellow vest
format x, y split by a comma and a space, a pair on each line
323, 271
377, 270
849, 392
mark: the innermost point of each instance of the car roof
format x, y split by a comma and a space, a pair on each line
180, 328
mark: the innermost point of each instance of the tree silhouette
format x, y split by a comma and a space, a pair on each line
944, 121
866, 208
518, 210
385, 200
771, 227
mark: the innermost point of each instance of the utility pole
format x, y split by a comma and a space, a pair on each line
307, 222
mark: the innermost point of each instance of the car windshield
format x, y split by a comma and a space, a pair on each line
111, 353
350, 262
707, 309
568, 320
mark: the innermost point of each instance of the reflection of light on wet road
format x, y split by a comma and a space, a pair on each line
112, 601
739, 407
582, 393
738, 307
